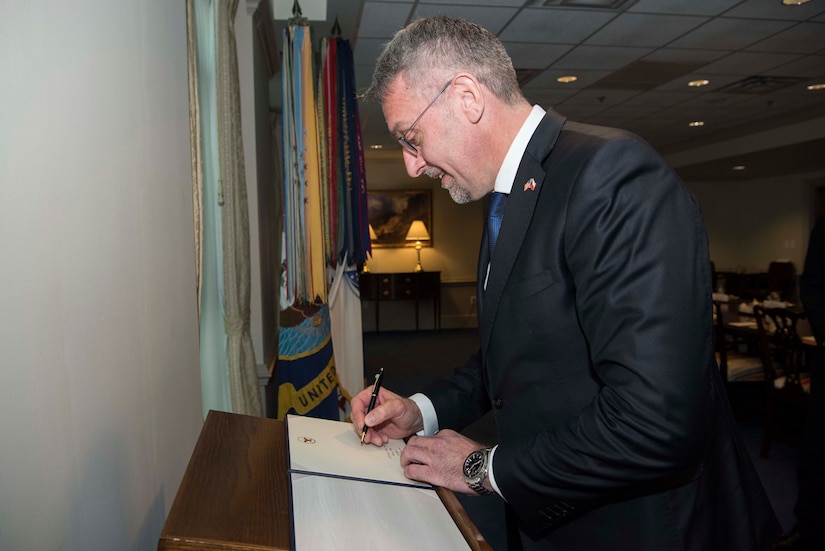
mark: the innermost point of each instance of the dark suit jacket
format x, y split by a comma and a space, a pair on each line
597, 358
811, 470
812, 281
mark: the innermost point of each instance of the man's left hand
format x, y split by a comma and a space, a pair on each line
439, 460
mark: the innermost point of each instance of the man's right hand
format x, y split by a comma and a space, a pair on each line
392, 417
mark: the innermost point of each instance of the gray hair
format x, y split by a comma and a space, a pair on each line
428, 49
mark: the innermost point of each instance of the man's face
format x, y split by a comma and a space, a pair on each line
442, 137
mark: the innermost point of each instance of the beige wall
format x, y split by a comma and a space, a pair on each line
749, 224
456, 233
752, 223
100, 402
456, 237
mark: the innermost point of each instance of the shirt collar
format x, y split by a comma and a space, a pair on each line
507, 172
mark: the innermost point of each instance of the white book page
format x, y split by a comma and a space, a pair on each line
342, 514
322, 446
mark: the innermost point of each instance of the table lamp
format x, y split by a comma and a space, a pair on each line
418, 233
373, 237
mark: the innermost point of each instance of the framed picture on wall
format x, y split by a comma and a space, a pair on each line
392, 212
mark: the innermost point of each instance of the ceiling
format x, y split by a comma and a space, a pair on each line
633, 60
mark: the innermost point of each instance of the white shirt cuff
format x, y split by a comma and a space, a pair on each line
490, 472
431, 428
427, 414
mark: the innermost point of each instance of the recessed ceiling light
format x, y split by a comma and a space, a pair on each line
567, 79
698, 83
738, 167
697, 123
376, 146
794, 2
817, 86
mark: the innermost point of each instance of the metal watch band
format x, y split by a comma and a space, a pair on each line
478, 487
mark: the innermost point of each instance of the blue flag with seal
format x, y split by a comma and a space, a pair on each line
307, 380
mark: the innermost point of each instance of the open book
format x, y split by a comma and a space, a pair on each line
348, 496
331, 448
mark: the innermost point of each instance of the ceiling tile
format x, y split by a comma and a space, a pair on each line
729, 33
810, 66
547, 98
511, 3
560, 26
713, 99
630, 112
747, 63
366, 50
492, 19
382, 19
636, 29
599, 57
535, 56
805, 38
716, 81
656, 99
683, 7
547, 79
686, 56
596, 96
774, 9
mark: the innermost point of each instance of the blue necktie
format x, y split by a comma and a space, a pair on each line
497, 203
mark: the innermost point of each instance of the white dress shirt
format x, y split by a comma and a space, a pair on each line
504, 184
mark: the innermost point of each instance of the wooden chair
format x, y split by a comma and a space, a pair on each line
740, 365
787, 382
735, 363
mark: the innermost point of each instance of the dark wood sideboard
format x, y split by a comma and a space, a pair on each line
416, 286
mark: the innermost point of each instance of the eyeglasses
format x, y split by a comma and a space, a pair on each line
403, 139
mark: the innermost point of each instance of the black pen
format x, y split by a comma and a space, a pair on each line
375, 388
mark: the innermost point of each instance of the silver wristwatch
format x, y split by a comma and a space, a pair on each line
475, 470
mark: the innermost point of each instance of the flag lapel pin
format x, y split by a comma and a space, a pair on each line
531, 185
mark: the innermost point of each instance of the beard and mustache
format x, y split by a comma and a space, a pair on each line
458, 194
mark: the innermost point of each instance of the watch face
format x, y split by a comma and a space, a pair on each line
474, 464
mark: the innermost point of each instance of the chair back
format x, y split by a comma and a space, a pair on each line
781, 348
720, 342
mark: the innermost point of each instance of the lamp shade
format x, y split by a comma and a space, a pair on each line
418, 231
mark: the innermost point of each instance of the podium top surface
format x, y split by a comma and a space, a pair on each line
234, 493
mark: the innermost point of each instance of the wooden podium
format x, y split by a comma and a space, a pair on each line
234, 494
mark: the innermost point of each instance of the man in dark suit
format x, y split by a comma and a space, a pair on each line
595, 317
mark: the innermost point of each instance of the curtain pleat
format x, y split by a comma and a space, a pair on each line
235, 218
214, 376
195, 146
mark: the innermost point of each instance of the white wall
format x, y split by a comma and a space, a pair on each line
99, 380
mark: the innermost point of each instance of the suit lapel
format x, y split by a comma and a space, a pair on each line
528, 185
